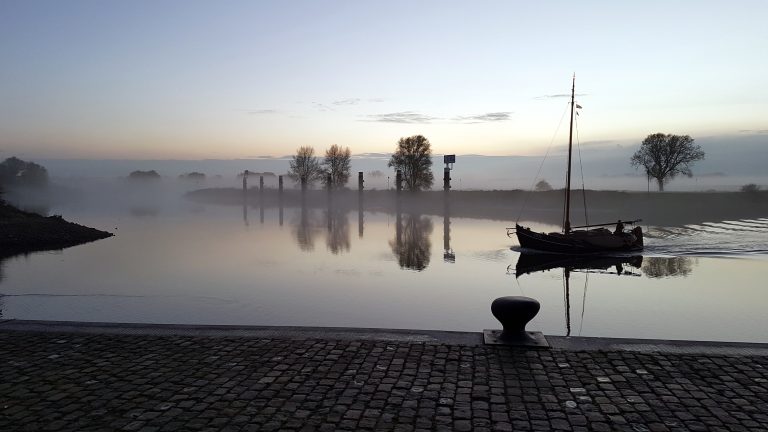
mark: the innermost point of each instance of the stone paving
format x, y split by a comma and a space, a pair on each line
86, 382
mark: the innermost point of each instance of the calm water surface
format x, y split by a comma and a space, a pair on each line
198, 264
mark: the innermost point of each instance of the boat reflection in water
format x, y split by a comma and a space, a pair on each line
539, 262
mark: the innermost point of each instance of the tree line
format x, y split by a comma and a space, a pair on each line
412, 157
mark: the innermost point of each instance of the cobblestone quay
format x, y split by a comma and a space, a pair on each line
83, 382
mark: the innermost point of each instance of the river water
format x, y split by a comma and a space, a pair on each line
191, 263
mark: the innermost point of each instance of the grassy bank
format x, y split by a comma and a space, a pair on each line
23, 232
667, 208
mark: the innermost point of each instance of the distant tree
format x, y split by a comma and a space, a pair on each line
305, 168
337, 166
750, 188
664, 156
543, 186
413, 157
16, 172
196, 176
144, 175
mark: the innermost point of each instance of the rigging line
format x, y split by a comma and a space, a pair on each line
581, 167
565, 302
549, 147
583, 303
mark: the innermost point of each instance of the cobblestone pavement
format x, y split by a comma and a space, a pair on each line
59, 381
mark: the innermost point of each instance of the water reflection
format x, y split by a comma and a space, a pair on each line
338, 240
245, 211
144, 211
660, 267
411, 245
622, 266
448, 255
538, 262
304, 230
360, 217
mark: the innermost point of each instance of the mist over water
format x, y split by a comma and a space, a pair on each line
730, 162
218, 257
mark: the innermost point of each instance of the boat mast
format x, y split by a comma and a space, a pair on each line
567, 224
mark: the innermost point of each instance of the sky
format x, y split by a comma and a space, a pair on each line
227, 80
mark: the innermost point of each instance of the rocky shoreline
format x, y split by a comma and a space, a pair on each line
24, 232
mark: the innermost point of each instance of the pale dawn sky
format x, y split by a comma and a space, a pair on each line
196, 80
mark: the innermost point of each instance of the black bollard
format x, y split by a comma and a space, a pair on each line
514, 312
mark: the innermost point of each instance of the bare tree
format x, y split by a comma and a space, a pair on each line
305, 167
336, 166
664, 156
413, 157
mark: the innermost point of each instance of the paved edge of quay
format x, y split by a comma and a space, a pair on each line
382, 334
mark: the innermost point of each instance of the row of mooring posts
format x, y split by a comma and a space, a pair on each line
360, 182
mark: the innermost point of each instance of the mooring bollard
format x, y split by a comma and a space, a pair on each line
514, 312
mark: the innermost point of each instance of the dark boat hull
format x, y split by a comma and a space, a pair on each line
579, 243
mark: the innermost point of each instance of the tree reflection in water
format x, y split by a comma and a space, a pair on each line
338, 240
304, 230
411, 245
661, 267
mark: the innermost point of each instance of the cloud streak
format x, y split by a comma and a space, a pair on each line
484, 118
415, 117
406, 117
558, 96
349, 101
261, 111
754, 131
356, 101
321, 107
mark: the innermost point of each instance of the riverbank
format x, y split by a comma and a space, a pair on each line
65, 376
24, 232
654, 208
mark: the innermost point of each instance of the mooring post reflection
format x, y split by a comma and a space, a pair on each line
280, 197
448, 255
412, 246
360, 198
245, 211
360, 217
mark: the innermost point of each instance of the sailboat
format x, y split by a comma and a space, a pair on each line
585, 239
